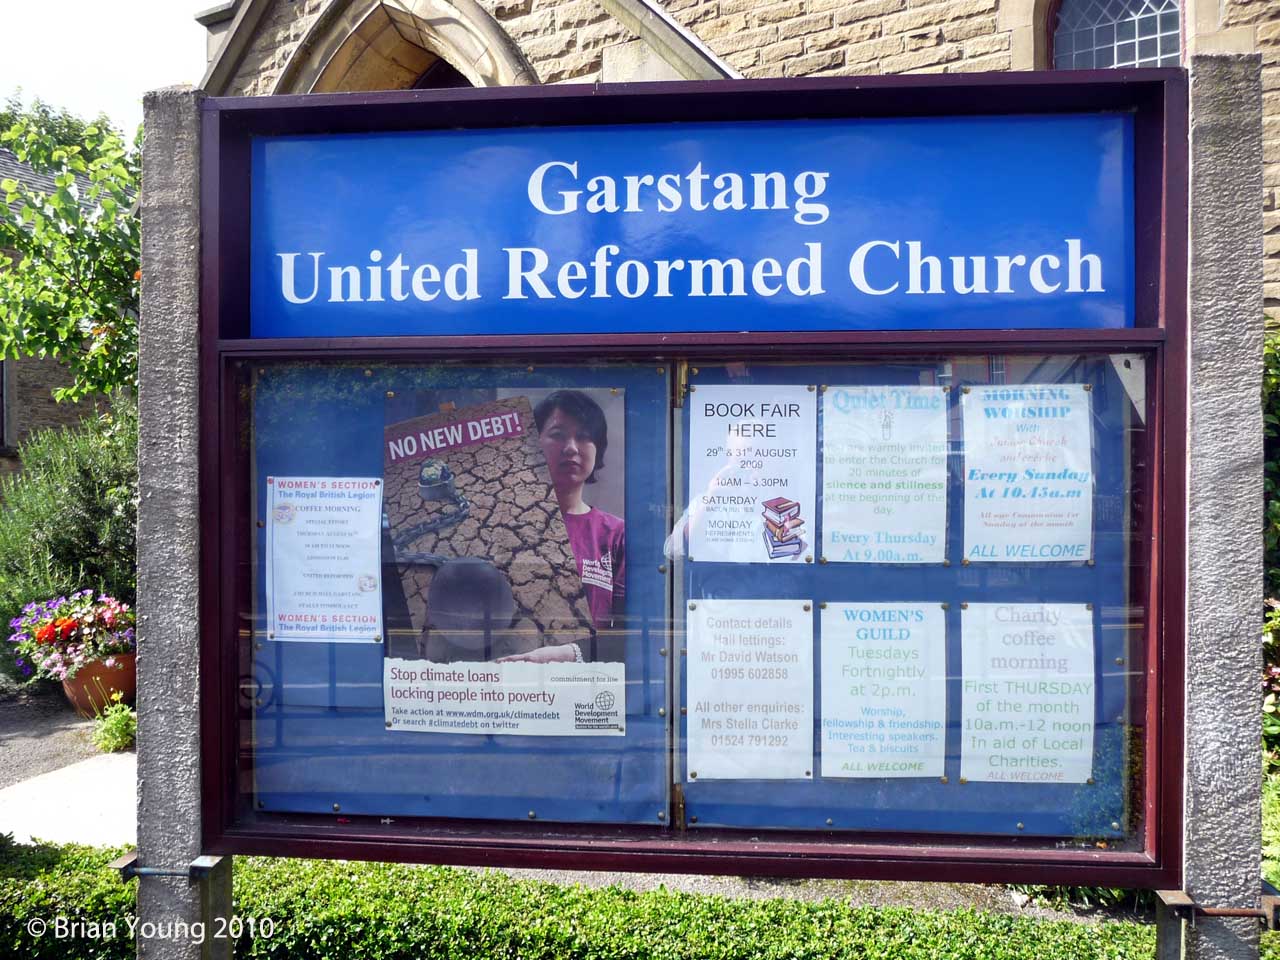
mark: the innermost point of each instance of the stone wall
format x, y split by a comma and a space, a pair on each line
816, 38
565, 39
30, 405
1264, 17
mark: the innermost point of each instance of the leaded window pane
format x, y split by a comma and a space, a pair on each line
1092, 34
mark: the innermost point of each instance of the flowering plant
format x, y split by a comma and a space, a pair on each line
56, 638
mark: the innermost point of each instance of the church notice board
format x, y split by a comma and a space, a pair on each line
664, 488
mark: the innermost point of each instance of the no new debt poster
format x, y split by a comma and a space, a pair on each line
504, 636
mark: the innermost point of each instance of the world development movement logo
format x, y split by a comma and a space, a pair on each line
601, 712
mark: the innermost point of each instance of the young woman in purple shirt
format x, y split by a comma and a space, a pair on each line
574, 437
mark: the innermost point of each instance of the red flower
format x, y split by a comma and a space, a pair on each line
65, 627
45, 634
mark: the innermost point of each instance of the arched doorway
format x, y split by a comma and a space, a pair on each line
403, 44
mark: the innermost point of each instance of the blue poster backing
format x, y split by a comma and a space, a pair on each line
1095, 810
319, 740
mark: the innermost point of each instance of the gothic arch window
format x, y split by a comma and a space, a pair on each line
1093, 34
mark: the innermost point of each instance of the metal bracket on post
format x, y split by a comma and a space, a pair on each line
1271, 906
1181, 905
197, 870
680, 384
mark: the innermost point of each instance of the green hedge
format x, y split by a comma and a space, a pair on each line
340, 910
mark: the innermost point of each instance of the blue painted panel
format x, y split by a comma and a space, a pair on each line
930, 806
961, 187
319, 734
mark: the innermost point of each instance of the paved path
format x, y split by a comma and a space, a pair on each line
90, 802
54, 784
40, 732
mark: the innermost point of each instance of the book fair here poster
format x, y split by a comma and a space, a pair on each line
750, 690
1028, 692
1028, 474
324, 560
884, 474
752, 474
884, 690
490, 580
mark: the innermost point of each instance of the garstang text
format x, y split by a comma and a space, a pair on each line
558, 188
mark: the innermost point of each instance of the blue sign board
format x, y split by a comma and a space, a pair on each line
883, 224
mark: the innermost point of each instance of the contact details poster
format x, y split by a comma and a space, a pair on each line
752, 474
884, 690
1028, 474
884, 474
324, 560
750, 675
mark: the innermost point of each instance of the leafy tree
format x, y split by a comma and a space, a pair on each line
64, 127
75, 297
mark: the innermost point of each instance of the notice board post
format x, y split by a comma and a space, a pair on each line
169, 543
249, 741
1221, 815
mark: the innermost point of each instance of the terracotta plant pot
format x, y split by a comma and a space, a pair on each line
91, 689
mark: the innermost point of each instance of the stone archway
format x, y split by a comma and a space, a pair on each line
389, 44
1028, 24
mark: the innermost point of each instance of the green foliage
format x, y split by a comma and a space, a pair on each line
1271, 541
1271, 830
75, 296
67, 520
1271, 473
64, 127
47, 882
116, 727
335, 910
1140, 902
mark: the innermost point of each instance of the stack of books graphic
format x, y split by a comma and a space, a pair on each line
783, 528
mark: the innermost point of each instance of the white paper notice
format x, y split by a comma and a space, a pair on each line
511, 699
324, 559
750, 677
1028, 692
884, 474
1028, 472
752, 473
884, 690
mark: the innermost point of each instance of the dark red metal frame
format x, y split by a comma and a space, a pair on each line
1158, 100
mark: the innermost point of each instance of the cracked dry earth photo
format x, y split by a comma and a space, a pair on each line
470, 494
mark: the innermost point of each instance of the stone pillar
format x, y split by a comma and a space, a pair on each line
169, 822
1222, 820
